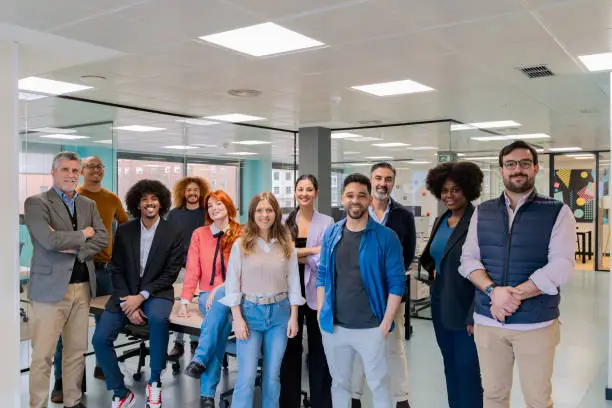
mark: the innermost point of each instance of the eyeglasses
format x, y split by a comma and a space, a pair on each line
95, 166
525, 164
452, 190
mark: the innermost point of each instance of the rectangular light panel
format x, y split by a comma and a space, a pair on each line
511, 137
397, 144
597, 62
485, 125
140, 128
64, 137
251, 142
235, 117
49, 86
406, 86
262, 39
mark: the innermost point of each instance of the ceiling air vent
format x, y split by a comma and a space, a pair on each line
536, 71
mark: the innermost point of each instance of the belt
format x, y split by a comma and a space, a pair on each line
265, 300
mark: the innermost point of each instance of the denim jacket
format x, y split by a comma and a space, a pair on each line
381, 263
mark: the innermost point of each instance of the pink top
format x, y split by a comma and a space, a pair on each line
199, 263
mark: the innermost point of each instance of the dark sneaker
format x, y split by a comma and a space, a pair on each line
98, 373
207, 402
194, 346
177, 351
195, 370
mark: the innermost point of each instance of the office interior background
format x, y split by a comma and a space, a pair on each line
146, 86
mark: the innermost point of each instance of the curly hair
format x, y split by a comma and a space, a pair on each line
466, 175
277, 230
142, 187
178, 191
235, 229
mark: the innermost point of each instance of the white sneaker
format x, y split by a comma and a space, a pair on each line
154, 395
128, 402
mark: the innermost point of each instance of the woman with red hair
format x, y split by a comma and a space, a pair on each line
207, 264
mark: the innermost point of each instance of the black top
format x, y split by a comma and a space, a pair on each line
452, 294
301, 243
187, 221
352, 308
80, 273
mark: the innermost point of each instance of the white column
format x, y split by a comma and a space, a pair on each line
9, 226
609, 387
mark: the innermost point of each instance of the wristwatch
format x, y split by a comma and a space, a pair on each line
489, 289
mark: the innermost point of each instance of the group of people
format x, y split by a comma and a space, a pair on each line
495, 271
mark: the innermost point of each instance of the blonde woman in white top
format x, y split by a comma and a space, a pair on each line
263, 291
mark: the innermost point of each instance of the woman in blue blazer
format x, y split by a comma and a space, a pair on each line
452, 297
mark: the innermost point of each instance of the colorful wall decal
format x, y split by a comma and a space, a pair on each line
576, 188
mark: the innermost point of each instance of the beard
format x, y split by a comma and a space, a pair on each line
356, 213
521, 188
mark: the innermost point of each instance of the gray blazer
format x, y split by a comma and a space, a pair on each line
51, 231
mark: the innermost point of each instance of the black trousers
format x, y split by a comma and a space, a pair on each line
318, 372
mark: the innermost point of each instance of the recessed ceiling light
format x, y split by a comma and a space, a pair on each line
342, 135
27, 96
583, 158
379, 157
579, 155
365, 139
460, 154
564, 149
251, 142
181, 147
64, 137
197, 122
597, 62
511, 137
235, 117
139, 128
417, 162
391, 144
422, 148
242, 153
360, 164
406, 86
104, 141
262, 39
351, 152
244, 93
539, 150
49, 86
485, 125
54, 130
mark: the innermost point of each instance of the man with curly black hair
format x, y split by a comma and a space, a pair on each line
146, 260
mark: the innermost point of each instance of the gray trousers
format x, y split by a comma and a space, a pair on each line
370, 346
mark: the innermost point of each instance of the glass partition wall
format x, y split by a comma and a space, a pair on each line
241, 159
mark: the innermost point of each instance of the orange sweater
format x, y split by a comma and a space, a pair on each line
199, 263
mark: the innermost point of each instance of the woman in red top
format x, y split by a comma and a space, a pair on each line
207, 264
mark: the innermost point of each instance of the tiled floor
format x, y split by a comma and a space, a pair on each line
580, 372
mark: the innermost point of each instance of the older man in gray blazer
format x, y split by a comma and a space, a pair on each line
66, 231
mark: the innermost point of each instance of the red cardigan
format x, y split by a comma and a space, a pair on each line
199, 263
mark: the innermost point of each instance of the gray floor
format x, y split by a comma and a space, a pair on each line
580, 372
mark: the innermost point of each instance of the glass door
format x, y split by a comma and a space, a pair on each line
602, 260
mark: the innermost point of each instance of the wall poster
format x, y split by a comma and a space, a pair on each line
576, 188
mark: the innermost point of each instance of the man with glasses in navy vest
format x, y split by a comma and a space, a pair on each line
519, 250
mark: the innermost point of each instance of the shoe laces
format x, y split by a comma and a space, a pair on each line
154, 392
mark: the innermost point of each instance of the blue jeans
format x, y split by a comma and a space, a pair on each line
157, 312
104, 286
461, 366
267, 325
215, 329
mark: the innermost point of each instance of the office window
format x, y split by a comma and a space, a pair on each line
130, 171
219, 176
288, 190
288, 176
275, 175
276, 190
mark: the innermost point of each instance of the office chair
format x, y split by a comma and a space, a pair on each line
141, 333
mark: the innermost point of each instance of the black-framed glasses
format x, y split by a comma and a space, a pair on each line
95, 166
525, 164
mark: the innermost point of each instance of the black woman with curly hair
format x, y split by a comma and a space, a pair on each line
147, 257
452, 297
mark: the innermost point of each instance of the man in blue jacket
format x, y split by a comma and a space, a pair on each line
358, 296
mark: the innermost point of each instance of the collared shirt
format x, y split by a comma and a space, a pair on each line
561, 263
146, 240
385, 216
67, 200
